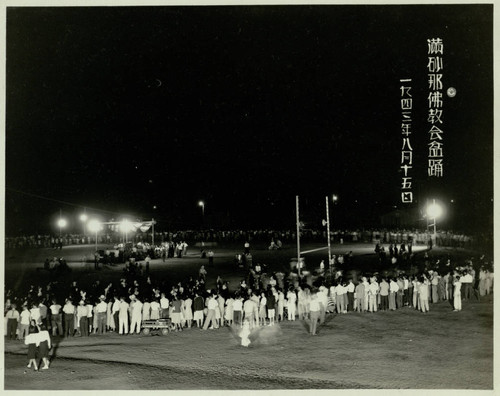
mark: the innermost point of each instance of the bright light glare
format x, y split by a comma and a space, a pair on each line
94, 226
434, 211
201, 203
335, 197
126, 226
83, 217
62, 223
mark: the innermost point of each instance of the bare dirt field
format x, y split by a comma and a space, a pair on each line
401, 349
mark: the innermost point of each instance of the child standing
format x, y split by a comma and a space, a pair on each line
32, 341
45, 345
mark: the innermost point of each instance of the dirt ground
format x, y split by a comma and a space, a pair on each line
404, 349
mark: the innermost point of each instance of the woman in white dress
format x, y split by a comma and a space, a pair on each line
188, 311
291, 299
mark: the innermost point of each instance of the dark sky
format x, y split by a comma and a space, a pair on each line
125, 108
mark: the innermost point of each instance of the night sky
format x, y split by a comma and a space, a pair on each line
124, 109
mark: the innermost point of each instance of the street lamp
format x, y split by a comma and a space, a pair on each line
94, 226
83, 219
434, 211
125, 227
202, 204
61, 223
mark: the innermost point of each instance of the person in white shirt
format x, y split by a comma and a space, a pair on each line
249, 310
340, 291
281, 304
123, 316
56, 318
434, 287
12, 318
367, 289
291, 304
212, 305
468, 279
155, 309
102, 309
237, 311
457, 295
164, 304
32, 340
406, 291
372, 295
323, 302
350, 295
146, 309
35, 314
359, 297
314, 311
69, 318
424, 295
81, 313
136, 314
90, 316
393, 289
115, 312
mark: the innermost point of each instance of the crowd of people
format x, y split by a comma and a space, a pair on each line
444, 238
260, 299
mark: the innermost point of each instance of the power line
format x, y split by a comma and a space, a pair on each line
59, 201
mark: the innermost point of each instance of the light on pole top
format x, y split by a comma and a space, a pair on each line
62, 223
83, 217
94, 225
201, 203
126, 226
335, 198
434, 210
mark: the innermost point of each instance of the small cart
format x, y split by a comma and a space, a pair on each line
159, 325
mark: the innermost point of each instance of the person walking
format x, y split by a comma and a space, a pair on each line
32, 340
314, 312
212, 305
44, 346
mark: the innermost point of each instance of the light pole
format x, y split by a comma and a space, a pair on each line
328, 233
125, 227
83, 219
202, 204
95, 226
434, 211
61, 223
